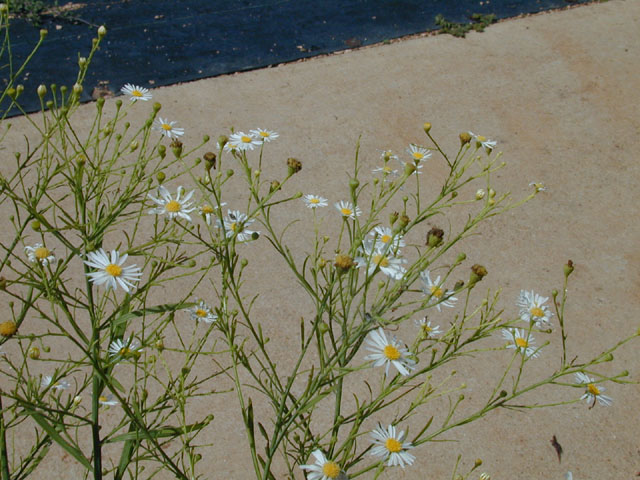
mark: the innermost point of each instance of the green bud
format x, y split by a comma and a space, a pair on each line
275, 185
191, 263
160, 176
354, 183
568, 268
46, 349
624, 373
133, 146
503, 393
34, 353
12, 93
35, 225
222, 141
608, 357
176, 148
393, 217
409, 168
323, 328
43, 33
162, 151
461, 257
185, 371
160, 345
49, 104
244, 262
434, 237
210, 161
478, 272
426, 127
42, 90
255, 236
82, 62
3, 283
77, 88
230, 173
464, 138
102, 31
156, 107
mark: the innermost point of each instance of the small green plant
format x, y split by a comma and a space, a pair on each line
478, 23
39, 11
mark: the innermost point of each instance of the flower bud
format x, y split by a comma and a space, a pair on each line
465, 138
255, 236
77, 88
191, 263
426, 127
133, 146
210, 161
12, 93
222, 141
82, 62
176, 147
35, 225
393, 217
8, 329
323, 328
354, 183
160, 345
492, 193
4, 8
478, 462
275, 186
294, 165
161, 176
409, 168
459, 284
3, 283
230, 173
42, 91
76, 400
162, 151
434, 237
102, 31
568, 268
34, 353
480, 193
403, 221
43, 33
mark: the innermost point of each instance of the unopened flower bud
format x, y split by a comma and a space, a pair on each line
77, 88
3, 283
426, 127
244, 262
275, 185
492, 193
409, 168
35, 225
478, 272
323, 328
162, 151
191, 263
478, 462
343, 263
160, 345
161, 176
4, 8
403, 221
354, 183
230, 173
393, 217
34, 353
133, 146
293, 165
82, 62
42, 91
465, 138
222, 141
76, 400
176, 147
608, 357
102, 31
255, 235
480, 193
491, 202
459, 284
12, 93
8, 329
434, 237
568, 268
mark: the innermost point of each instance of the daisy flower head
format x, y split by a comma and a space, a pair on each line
236, 223
40, 254
347, 209
521, 341
483, 142
322, 469
136, 93
125, 348
390, 446
593, 393
230, 147
418, 154
167, 128
375, 258
244, 141
437, 295
388, 352
426, 329
174, 207
387, 155
533, 308
263, 135
208, 212
107, 400
386, 238
202, 313
60, 384
111, 270
386, 170
314, 201
538, 186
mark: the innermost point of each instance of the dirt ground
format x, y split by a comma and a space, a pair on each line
559, 93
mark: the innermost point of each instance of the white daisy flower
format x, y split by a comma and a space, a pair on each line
385, 237
374, 258
230, 147
167, 128
136, 93
387, 155
314, 201
236, 223
389, 445
437, 295
111, 270
386, 170
243, 141
428, 330
107, 400
323, 469
40, 254
60, 384
178, 207
418, 153
124, 348
593, 392
484, 142
208, 212
533, 308
388, 352
202, 313
538, 186
521, 341
264, 135
347, 210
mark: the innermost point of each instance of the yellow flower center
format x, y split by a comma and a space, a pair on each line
207, 209
41, 253
391, 352
346, 212
136, 93
393, 445
481, 138
124, 351
537, 312
173, 206
330, 469
314, 200
381, 260
387, 169
427, 329
201, 313
167, 127
418, 155
385, 238
521, 342
113, 270
264, 134
102, 398
437, 291
246, 139
235, 227
593, 390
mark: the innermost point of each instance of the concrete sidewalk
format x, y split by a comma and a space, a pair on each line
559, 92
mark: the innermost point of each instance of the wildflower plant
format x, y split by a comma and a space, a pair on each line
99, 236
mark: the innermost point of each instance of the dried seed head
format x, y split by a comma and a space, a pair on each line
8, 329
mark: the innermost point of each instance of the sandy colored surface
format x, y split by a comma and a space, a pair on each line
559, 92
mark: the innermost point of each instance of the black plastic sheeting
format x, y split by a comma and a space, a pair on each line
161, 42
